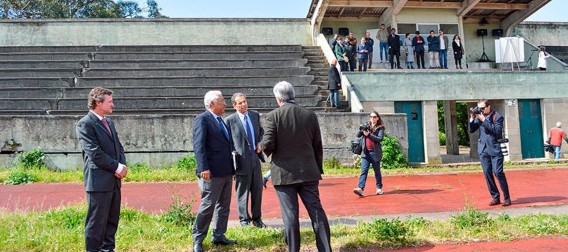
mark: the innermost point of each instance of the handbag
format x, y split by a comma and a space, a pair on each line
356, 146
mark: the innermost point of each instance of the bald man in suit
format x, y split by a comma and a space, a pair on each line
248, 178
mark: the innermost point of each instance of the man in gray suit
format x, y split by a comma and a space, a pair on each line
104, 167
212, 145
293, 138
247, 134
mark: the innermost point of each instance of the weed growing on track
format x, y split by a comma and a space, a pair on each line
62, 230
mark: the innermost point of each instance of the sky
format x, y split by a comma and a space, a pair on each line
293, 9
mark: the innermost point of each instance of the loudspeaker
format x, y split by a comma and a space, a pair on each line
327, 30
481, 32
343, 31
497, 32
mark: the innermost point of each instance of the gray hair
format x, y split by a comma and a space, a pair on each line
558, 124
284, 91
211, 96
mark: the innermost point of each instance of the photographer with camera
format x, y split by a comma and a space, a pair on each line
373, 132
490, 125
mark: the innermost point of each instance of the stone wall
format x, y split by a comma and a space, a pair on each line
161, 140
77, 32
544, 33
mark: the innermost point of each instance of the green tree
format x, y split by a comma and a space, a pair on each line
33, 9
462, 119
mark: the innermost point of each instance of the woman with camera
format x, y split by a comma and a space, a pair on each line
373, 133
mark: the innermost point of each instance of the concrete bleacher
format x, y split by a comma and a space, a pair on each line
55, 80
560, 52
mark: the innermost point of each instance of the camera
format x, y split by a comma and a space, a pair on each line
476, 110
364, 127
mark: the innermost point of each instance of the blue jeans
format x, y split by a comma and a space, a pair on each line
334, 93
370, 158
384, 47
556, 152
443, 54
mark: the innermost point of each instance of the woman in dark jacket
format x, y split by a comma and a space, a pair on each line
458, 51
372, 152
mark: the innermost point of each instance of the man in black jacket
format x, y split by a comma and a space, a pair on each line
333, 83
394, 48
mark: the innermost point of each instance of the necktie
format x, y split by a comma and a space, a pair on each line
105, 123
249, 134
222, 125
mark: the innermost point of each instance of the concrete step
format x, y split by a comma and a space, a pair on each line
235, 63
140, 103
194, 72
164, 91
36, 82
40, 72
176, 63
116, 111
275, 55
152, 48
189, 81
76, 56
42, 64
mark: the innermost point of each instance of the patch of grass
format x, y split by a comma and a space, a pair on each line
62, 230
19, 177
179, 213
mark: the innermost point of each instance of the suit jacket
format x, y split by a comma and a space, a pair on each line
101, 153
394, 42
333, 79
293, 138
490, 131
246, 160
211, 148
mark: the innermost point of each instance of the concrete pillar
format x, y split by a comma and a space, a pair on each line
431, 133
473, 137
450, 123
512, 130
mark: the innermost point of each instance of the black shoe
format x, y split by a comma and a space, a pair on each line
197, 247
224, 241
258, 223
264, 181
494, 202
507, 202
245, 223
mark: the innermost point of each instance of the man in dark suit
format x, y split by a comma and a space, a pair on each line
333, 83
104, 167
247, 134
394, 48
490, 125
212, 146
293, 138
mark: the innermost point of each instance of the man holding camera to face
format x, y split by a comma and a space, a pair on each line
490, 125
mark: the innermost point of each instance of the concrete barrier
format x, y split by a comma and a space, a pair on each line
171, 31
161, 140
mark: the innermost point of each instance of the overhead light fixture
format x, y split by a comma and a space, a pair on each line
483, 21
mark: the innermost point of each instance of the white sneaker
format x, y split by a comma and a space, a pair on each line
380, 191
358, 191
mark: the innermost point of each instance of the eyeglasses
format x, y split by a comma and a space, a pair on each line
482, 108
373, 116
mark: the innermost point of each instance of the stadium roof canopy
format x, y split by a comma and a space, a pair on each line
471, 11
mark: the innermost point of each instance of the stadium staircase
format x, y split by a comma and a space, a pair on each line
155, 79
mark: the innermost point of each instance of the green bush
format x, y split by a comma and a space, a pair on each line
139, 167
442, 137
30, 159
394, 231
179, 213
471, 218
187, 163
19, 177
392, 153
332, 163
